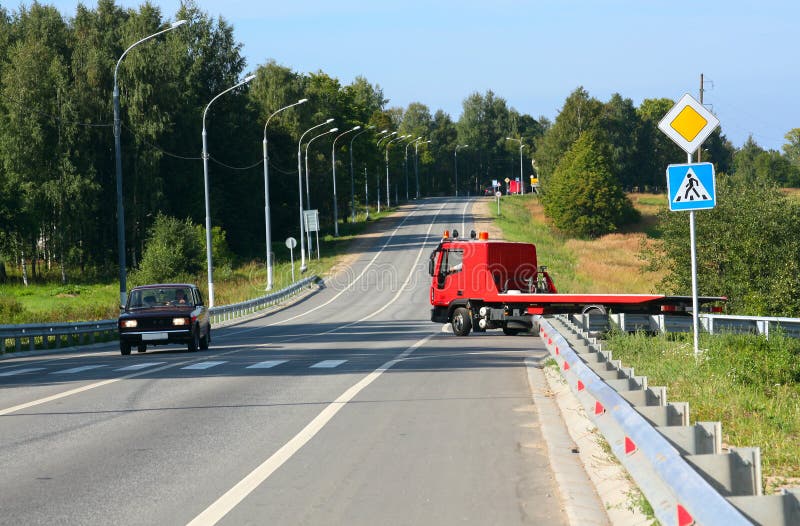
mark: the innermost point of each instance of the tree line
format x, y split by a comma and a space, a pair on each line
57, 184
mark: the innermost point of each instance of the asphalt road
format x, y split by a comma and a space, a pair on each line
349, 407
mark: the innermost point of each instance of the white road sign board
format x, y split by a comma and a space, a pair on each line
688, 124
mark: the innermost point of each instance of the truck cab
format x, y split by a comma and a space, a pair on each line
475, 271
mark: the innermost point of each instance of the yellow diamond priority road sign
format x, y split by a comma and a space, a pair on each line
688, 124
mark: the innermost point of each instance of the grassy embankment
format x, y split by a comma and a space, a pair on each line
48, 300
749, 384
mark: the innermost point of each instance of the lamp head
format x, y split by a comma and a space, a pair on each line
333, 130
301, 101
177, 23
356, 128
329, 120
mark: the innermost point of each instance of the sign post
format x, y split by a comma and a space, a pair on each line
688, 124
290, 244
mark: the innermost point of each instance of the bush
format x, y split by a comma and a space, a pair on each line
172, 252
747, 248
583, 197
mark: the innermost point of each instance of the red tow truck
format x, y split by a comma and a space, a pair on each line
478, 284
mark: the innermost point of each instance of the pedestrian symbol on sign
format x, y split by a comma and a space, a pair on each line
691, 189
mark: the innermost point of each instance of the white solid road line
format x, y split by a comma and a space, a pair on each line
327, 364
247, 485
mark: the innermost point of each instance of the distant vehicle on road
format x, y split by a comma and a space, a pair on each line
164, 314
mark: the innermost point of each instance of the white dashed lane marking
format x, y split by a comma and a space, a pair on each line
139, 366
327, 364
267, 364
203, 365
78, 369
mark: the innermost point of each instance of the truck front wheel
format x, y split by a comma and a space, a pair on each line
461, 322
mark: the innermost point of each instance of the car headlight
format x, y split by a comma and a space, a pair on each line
180, 321
128, 324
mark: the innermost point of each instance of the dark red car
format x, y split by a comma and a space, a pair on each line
165, 314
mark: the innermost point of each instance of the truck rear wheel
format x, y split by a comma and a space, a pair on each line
461, 322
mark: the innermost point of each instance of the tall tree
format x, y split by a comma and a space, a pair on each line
621, 126
484, 125
584, 197
579, 114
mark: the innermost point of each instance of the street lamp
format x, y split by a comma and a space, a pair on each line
333, 163
405, 163
352, 178
416, 162
378, 177
266, 193
303, 266
118, 160
308, 186
521, 146
456, 163
207, 190
388, 189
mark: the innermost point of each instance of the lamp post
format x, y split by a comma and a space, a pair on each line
208, 189
308, 187
378, 177
455, 155
333, 163
416, 162
118, 161
352, 178
405, 163
388, 188
267, 226
303, 266
521, 146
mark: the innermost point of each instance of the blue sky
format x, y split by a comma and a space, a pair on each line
534, 53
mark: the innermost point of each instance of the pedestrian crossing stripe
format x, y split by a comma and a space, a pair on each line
691, 189
691, 186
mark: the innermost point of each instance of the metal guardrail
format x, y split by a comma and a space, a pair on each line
680, 468
237, 310
711, 323
56, 335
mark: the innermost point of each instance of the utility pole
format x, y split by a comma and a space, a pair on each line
700, 149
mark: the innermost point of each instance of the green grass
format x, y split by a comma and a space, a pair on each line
750, 384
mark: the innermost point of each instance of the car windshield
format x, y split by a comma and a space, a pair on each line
159, 297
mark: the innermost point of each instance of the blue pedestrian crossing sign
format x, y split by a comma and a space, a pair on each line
691, 186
